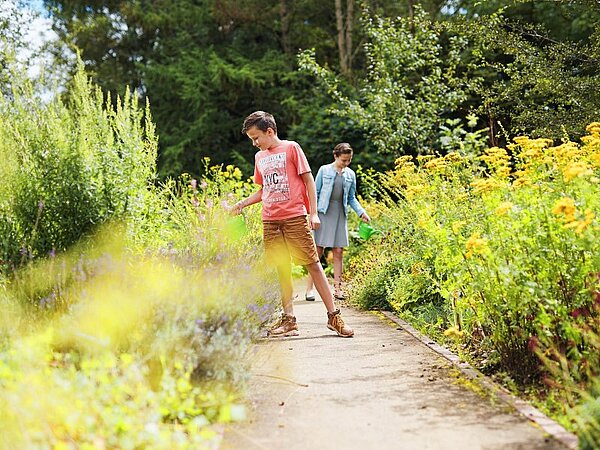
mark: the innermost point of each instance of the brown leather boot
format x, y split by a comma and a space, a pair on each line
336, 323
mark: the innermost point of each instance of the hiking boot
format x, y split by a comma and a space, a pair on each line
336, 323
285, 326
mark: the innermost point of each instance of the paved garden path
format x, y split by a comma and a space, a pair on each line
382, 389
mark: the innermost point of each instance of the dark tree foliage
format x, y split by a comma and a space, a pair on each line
206, 64
539, 61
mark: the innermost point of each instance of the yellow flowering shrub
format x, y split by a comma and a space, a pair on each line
507, 243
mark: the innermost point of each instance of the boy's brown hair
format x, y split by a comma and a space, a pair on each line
261, 120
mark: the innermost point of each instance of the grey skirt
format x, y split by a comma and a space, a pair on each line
333, 231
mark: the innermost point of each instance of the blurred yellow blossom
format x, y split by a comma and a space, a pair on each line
476, 245
567, 152
575, 170
522, 181
457, 225
411, 191
566, 207
485, 185
401, 161
436, 165
580, 225
503, 208
587, 221
453, 156
521, 140
594, 129
454, 332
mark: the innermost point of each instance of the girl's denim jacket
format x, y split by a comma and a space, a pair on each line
324, 182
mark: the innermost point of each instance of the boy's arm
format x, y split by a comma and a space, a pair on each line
309, 182
254, 198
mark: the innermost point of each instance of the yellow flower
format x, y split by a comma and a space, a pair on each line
520, 140
476, 245
575, 170
453, 156
413, 190
403, 160
566, 207
523, 181
503, 208
566, 152
581, 225
485, 185
586, 222
457, 225
593, 128
454, 332
424, 158
436, 165
237, 173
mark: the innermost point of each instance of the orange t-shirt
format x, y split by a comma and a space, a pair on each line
278, 171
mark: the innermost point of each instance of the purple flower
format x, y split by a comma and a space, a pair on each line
52, 253
41, 205
194, 184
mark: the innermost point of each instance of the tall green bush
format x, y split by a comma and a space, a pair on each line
68, 166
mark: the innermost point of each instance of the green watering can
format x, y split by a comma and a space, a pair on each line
235, 227
365, 231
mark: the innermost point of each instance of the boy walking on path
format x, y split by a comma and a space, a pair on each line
288, 194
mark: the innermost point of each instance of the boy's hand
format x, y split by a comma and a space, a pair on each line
236, 209
315, 222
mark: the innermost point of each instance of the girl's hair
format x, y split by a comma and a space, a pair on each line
261, 120
342, 149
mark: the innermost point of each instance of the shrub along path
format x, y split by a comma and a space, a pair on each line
382, 389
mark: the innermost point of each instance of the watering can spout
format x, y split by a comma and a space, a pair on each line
365, 231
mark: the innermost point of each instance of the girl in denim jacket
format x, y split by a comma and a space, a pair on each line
336, 192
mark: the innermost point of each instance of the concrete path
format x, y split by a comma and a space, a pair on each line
382, 389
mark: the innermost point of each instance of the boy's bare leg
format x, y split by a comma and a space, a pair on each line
309, 281
287, 290
315, 270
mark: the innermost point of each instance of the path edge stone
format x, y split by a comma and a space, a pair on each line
550, 426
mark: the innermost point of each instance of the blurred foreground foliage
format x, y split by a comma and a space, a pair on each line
128, 306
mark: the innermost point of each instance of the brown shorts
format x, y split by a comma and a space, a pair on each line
289, 238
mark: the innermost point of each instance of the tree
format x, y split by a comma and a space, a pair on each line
205, 64
410, 87
539, 62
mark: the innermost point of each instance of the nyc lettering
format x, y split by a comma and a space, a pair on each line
272, 178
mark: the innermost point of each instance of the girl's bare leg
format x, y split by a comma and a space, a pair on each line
338, 267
